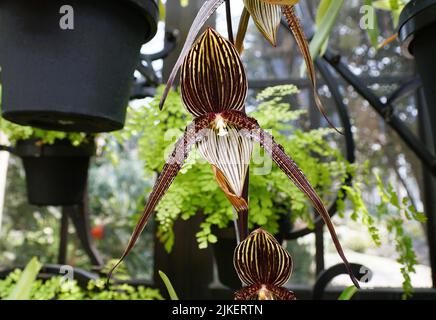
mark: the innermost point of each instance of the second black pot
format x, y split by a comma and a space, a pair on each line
417, 32
71, 80
56, 174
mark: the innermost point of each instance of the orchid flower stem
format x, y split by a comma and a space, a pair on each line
229, 22
242, 30
235, 221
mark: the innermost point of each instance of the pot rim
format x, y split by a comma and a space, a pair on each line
416, 15
150, 9
32, 148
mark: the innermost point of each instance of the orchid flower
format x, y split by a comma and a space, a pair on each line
214, 88
264, 266
266, 15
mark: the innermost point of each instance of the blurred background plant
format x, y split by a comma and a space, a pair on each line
24, 285
328, 11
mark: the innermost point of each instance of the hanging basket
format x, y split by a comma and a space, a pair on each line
417, 33
71, 79
56, 174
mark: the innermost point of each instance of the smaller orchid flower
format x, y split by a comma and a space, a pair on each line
264, 266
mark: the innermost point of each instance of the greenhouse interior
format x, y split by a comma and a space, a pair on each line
218, 150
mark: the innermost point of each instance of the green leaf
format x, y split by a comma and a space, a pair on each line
325, 26
321, 13
168, 285
24, 286
348, 293
162, 10
373, 33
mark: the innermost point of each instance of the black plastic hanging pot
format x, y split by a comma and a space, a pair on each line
417, 33
71, 80
56, 174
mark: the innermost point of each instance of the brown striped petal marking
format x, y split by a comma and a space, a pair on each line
206, 10
266, 16
213, 77
260, 259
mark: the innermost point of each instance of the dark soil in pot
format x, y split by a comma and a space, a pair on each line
55, 174
418, 34
71, 80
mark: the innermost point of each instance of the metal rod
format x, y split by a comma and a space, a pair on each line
63, 243
384, 110
229, 22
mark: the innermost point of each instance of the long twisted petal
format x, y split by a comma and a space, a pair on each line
300, 38
193, 133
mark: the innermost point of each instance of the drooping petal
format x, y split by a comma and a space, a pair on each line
238, 202
290, 168
266, 16
213, 77
303, 45
193, 133
208, 8
260, 259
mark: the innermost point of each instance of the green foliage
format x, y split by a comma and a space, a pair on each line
195, 189
360, 212
329, 10
61, 289
402, 212
392, 212
22, 288
15, 132
168, 285
348, 293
